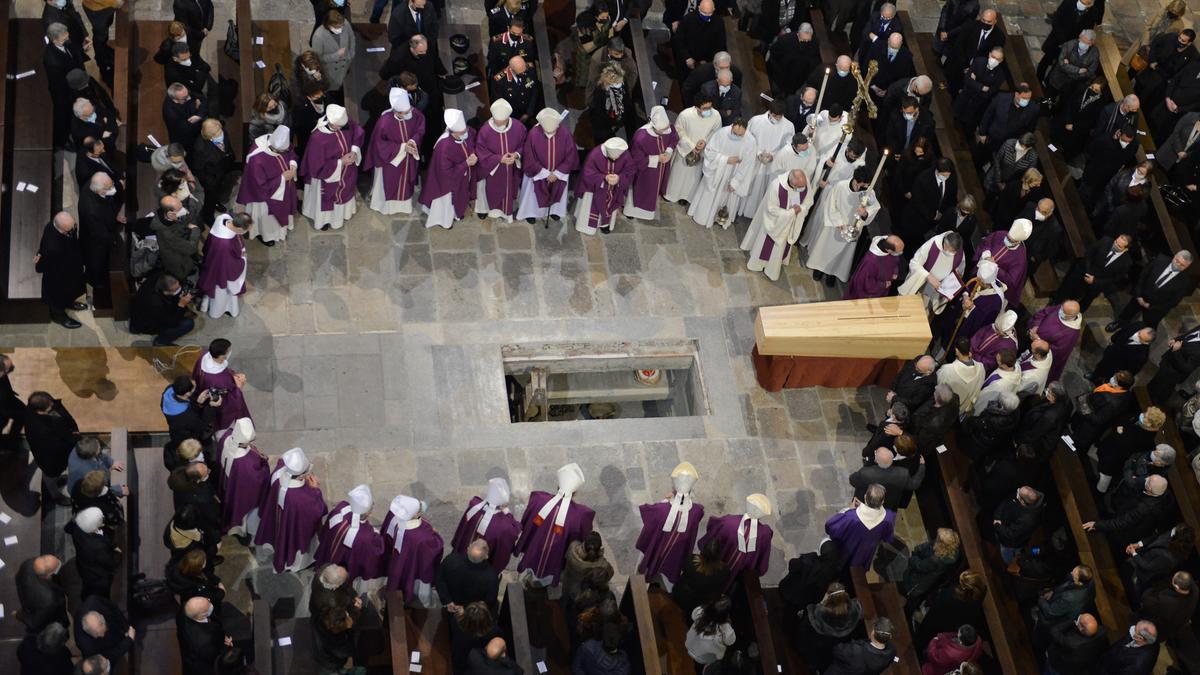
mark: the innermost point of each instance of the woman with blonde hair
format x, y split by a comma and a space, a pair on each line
952, 607
930, 564
1017, 196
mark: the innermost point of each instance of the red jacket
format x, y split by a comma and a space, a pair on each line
944, 654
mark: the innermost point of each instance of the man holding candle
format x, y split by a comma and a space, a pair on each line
843, 212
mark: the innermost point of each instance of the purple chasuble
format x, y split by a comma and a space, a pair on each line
244, 487
233, 404
224, 262
725, 530
650, 183
934, 252
552, 154
500, 182
987, 308
418, 558
857, 542
290, 529
449, 173
501, 535
606, 199
1012, 264
261, 179
387, 141
665, 552
321, 157
986, 345
543, 545
364, 559
1062, 338
873, 278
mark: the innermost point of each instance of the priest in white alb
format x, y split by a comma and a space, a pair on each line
842, 167
777, 224
825, 130
728, 165
695, 126
797, 154
935, 271
772, 132
841, 217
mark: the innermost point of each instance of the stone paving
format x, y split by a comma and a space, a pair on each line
377, 349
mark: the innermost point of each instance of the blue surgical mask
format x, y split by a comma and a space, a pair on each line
1023, 102
1080, 7
1142, 419
61, 4
1082, 48
219, 139
706, 113
805, 151
91, 118
842, 73
1062, 315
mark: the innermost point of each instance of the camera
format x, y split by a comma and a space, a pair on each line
214, 392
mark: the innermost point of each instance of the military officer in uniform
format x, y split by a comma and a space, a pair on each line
513, 42
518, 85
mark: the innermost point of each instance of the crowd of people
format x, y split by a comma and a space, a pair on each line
872, 205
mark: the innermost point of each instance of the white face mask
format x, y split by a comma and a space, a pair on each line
110, 192
724, 89
181, 213
335, 31
1124, 144
992, 63
706, 113
185, 62
910, 116
1039, 216
1080, 7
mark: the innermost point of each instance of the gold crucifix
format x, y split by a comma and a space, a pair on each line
863, 96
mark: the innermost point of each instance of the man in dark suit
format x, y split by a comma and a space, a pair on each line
416, 58
976, 40
791, 58
1065, 25
96, 556
1076, 646
1008, 116
12, 409
1164, 282
60, 262
934, 194
799, 106
878, 29
60, 57
1128, 350
707, 72
1103, 267
701, 34
1105, 157
187, 69
51, 433
1138, 508
895, 63
83, 85
88, 122
212, 163
726, 96
1116, 116
1133, 655
201, 636
905, 125
183, 113
840, 88
895, 479
68, 16
100, 221
102, 628
197, 18
873, 655
90, 160
914, 385
43, 600
1177, 364
414, 17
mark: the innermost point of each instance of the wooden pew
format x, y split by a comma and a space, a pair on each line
635, 606
785, 649
145, 114
473, 102
514, 620
884, 600
263, 640
397, 625
157, 649
31, 160
745, 54
670, 631
545, 52
1011, 643
275, 49
821, 31
115, 303
429, 634
764, 634
125, 537
1094, 551
363, 77
20, 500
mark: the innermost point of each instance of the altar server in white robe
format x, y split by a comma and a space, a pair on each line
695, 127
852, 156
797, 154
728, 165
841, 216
931, 267
825, 129
1006, 378
772, 132
1034, 365
777, 224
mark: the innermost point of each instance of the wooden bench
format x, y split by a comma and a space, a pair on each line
21, 500
397, 625
472, 102
1071, 483
821, 32
743, 49
883, 599
31, 161
145, 114
264, 661
429, 635
635, 606
1009, 640
5, 176
514, 620
545, 52
157, 649
124, 538
670, 631
786, 650
115, 303
764, 633
252, 79
363, 77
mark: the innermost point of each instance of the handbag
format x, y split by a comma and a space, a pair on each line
278, 88
152, 597
232, 49
891, 559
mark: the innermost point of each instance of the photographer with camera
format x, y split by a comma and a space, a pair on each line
160, 308
188, 416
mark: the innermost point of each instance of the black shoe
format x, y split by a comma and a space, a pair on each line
554, 218
606, 230
1112, 327
830, 281
269, 243
817, 276
530, 220
683, 202
69, 323
80, 307
325, 228
481, 216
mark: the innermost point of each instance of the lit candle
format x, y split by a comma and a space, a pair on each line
878, 169
821, 94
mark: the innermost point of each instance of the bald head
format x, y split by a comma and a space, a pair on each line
988, 16
1087, 624
170, 203
100, 183
843, 62
477, 551
1183, 582
1028, 495
884, 457
895, 40
497, 648
797, 179
64, 222
1045, 207
517, 64
926, 365
46, 566
1145, 633
94, 624
197, 608
706, 7
333, 576
1071, 309
1156, 485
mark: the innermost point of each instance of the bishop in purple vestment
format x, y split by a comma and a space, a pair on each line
223, 274
489, 519
414, 550
547, 161
878, 269
981, 304
1059, 325
212, 371
245, 478
549, 524
498, 145
268, 188
1007, 250
745, 540
600, 190
450, 180
394, 154
348, 538
859, 530
330, 169
989, 341
670, 528
652, 148
292, 510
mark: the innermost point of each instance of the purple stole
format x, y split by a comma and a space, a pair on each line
768, 242
934, 252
